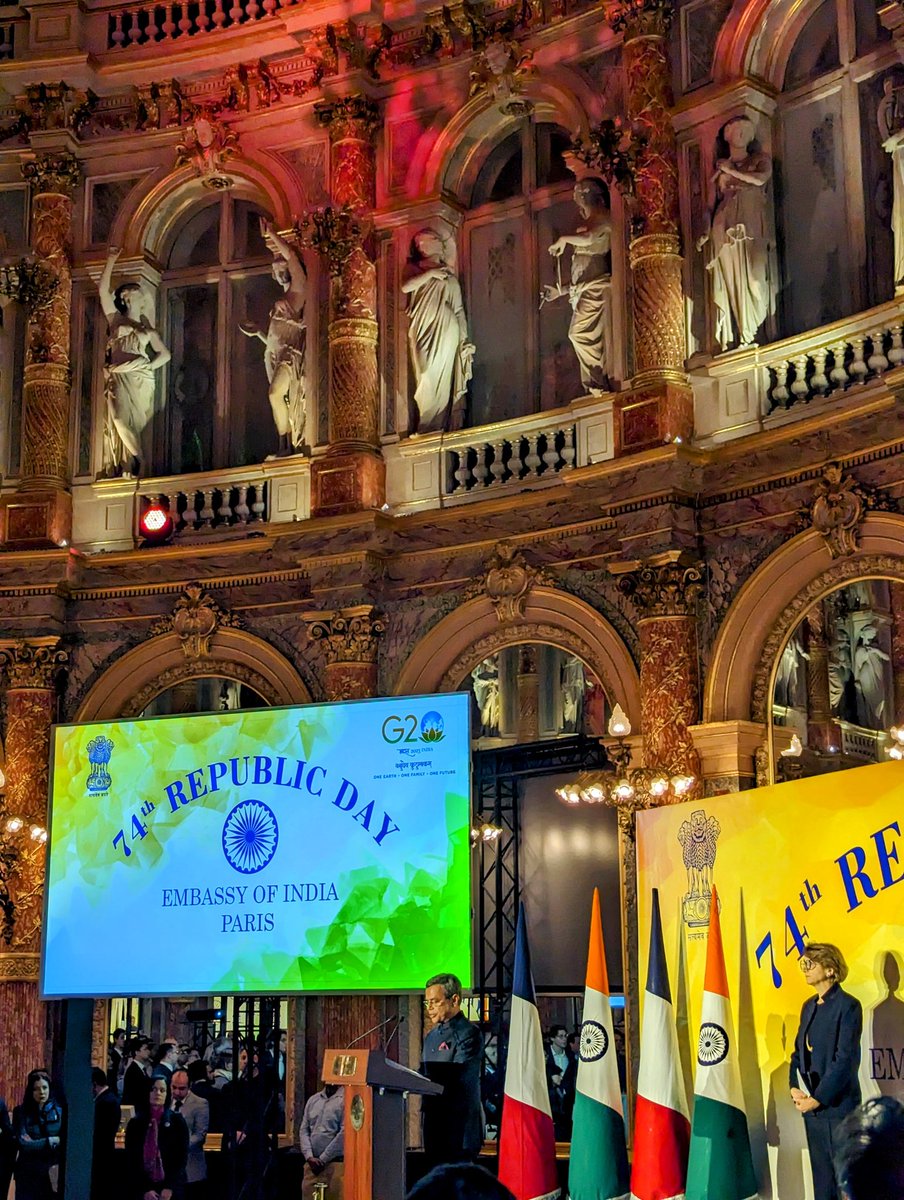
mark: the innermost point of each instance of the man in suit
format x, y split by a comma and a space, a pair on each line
116, 1052
107, 1116
7, 1150
196, 1114
453, 1048
167, 1061
136, 1083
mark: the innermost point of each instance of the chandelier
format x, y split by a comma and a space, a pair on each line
622, 786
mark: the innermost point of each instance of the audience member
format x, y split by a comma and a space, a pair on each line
869, 1151
321, 1138
460, 1181
116, 1059
196, 1114
156, 1149
7, 1150
561, 1078
136, 1082
37, 1126
166, 1061
107, 1115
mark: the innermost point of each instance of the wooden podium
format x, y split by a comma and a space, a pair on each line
375, 1091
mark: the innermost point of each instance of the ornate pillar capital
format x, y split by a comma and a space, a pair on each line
353, 116
665, 586
349, 638
55, 173
32, 663
641, 18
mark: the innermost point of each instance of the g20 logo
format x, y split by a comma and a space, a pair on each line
408, 729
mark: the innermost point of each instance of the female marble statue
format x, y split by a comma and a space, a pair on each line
738, 237
890, 117
441, 351
590, 290
135, 351
486, 686
871, 675
284, 343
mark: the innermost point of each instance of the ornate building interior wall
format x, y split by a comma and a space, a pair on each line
549, 350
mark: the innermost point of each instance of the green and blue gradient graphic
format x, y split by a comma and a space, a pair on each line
314, 849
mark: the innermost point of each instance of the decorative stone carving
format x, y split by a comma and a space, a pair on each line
135, 351
285, 344
665, 589
23, 968
347, 636
195, 619
55, 174
201, 668
48, 107
738, 238
890, 118
590, 289
206, 147
33, 664
500, 71
838, 510
610, 151
441, 350
640, 18
507, 582
352, 122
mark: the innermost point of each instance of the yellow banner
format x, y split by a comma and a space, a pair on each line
814, 860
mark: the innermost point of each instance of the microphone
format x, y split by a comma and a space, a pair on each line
398, 1026
368, 1032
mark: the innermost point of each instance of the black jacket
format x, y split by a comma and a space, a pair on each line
830, 1066
173, 1143
453, 1121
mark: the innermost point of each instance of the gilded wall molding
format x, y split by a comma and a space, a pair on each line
200, 668
349, 635
669, 588
195, 618
32, 663
19, 968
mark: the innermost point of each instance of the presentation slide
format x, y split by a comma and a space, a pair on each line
322, 848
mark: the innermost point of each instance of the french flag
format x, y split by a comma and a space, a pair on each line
661, 1125
527, 1142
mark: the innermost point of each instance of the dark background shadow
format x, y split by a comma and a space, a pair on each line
886, 1050
784, 1124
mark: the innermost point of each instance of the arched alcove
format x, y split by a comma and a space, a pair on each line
772, 601
467, 636
125, 689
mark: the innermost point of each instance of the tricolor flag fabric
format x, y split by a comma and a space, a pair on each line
720, 1165
527, 1141
598, 1169
661, 1125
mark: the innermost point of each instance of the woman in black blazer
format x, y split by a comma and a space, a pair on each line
156, 1149
826, 1060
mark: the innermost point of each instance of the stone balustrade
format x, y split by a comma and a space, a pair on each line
146, 24
7, 40
843, 361
481, 464
202, 510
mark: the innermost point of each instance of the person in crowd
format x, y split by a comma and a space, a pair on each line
136, 1082
460, 1181
221, 1062
167, 1059
156, 1149
826, 1060
37, 1127
7, 1150
561, 1078
116, 1059
199, 1078
492, 1084
107, 1115
321, 1139
195, 1113
453, 1048
251, 1121
869, 1153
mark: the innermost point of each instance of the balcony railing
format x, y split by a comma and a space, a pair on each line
147, 24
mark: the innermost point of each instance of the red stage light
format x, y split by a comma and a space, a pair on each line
155, 523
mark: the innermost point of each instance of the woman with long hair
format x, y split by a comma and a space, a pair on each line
156, 1149
37, 1128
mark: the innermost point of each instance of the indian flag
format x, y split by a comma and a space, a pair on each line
599, 1160
720, 1165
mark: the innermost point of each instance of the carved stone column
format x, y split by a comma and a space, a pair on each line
31, 668
528, 695
40, 514
819, 704
661, 407
352, 476
664, 591
349, 639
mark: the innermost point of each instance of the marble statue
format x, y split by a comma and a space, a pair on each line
284, 344
890, 117
840, 670
441, 351
573, 684
485, 682
738, 259
870, 673
590, 289
791, 677
135, 351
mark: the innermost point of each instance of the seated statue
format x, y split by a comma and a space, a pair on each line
441, 351
284, 344
135, 351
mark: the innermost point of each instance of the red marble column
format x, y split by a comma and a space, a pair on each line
31, 668
660, 406
352, 475
40, 514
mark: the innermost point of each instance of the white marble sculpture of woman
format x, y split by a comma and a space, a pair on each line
590, 290
284, 343
442, 354
890, 117
871, 674
135, 351
485, 682
738, 238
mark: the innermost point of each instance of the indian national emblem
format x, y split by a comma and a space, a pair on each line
99, 751
698, 838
